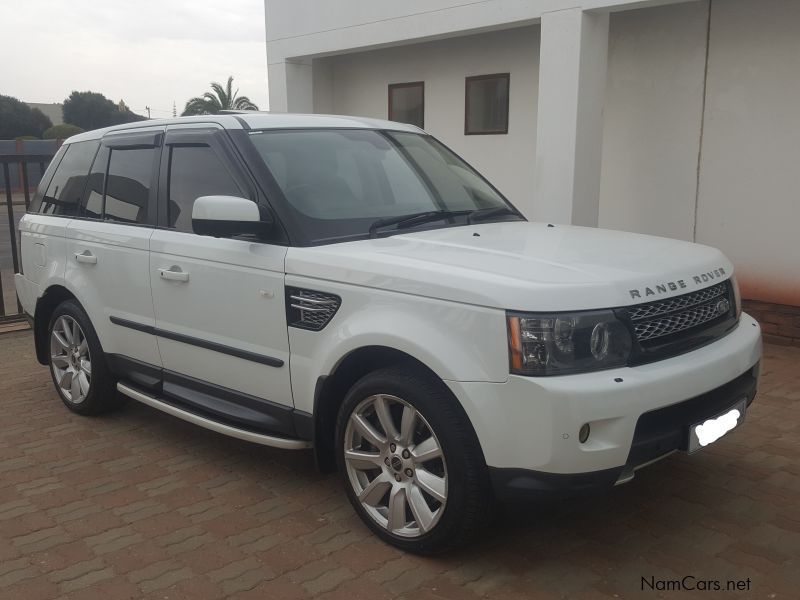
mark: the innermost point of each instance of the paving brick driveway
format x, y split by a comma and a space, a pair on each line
140, 504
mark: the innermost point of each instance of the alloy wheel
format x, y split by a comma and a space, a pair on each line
395, 465
70, 359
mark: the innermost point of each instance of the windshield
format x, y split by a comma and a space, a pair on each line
338, 182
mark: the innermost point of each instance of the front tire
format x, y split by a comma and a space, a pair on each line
77, 363
411, 463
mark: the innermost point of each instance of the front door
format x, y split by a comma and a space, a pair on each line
219, 303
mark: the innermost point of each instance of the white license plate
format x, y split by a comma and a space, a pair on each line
709, 431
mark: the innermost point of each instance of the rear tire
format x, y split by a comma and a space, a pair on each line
411, 463
77, 363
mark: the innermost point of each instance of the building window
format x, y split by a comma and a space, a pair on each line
407, 103
486, 104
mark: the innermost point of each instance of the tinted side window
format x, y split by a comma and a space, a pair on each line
92, 201
65, 190
195, 171
130, 177
36, 202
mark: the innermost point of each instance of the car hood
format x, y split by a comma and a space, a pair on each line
519, 265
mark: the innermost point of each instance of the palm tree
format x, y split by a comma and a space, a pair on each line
222, 99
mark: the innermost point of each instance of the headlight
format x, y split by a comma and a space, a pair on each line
737, 296
561, 343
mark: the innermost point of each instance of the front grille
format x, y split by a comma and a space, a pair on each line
654, 328
665, 328
679, 314
643, 311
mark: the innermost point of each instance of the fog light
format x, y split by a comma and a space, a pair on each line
583, 434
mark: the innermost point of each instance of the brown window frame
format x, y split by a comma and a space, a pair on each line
420, 84
467, 81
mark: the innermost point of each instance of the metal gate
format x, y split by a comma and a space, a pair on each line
21, 174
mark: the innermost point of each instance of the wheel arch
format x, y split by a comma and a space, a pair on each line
331, 389
45, 305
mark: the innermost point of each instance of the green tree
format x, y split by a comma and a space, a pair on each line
222, 98
18, 119
91, 110
61, 132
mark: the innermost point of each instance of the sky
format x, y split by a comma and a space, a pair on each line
145, 52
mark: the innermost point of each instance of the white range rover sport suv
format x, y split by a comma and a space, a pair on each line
352, 286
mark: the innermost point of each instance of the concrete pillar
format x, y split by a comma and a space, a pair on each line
291, 86
323, 86
572, 79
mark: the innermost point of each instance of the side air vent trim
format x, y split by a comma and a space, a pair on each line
310, 309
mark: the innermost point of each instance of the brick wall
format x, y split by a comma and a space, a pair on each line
780, 323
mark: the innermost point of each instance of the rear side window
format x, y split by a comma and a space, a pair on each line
92, 202
65, 190
130, 179
195, 171
36, 202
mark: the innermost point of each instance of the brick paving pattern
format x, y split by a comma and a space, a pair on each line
141, 505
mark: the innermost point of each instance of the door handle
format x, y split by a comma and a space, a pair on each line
86, 257
174, 273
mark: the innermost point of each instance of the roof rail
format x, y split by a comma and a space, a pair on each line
241, 112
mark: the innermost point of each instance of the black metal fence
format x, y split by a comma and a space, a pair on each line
21, 174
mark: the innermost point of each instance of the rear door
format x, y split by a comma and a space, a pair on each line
108, 251
219, 302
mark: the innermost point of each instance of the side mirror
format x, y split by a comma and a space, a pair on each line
226, 216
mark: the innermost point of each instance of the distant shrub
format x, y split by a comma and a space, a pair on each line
22, 138
92, 110
18, 119
61, 132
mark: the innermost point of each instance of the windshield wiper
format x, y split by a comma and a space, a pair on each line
487, 213
405, 221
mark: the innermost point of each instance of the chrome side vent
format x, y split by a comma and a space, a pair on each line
309, 309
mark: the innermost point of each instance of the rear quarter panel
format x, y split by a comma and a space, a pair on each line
44, 253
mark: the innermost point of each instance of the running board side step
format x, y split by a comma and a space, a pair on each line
248, 436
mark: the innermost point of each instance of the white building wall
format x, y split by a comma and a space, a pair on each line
749, 203
359, 87
653, 111
317, 27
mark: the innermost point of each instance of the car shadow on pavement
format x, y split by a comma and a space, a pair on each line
681, 507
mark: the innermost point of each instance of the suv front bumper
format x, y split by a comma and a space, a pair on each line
528, 426
658, 433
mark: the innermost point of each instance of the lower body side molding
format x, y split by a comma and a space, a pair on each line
242, 434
